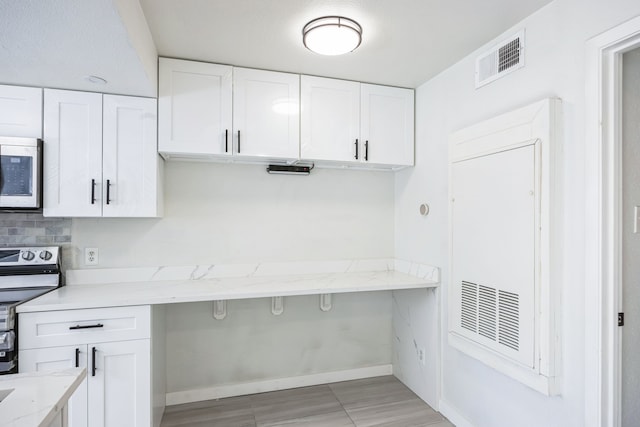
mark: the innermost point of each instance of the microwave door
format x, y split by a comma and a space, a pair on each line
19, 176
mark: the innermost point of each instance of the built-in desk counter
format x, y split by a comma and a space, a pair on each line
127, 287
114, 322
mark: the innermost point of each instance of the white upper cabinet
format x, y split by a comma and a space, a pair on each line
266, 119
130, 159
194, 104
387, 125
100, 161
356, 123
72, 153
330, 119
219, 112
20, 111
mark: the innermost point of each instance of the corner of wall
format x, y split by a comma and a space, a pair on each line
141, 40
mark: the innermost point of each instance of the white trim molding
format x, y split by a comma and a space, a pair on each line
229, 390
453, 415
602, 231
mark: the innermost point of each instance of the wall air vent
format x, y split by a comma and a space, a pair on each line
491, 313
469, 309
505, 57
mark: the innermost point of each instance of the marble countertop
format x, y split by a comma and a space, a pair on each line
223, 288
37, 397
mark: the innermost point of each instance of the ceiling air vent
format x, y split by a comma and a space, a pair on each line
505, 57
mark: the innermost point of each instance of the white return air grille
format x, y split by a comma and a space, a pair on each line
502, 59
506, 221
491, 313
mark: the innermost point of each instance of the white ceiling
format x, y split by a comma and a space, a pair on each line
405, 42
56, 43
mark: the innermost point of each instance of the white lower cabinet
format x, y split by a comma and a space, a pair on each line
119, 384
118, 389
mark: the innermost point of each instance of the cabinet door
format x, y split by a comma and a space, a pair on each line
21, 111
72, 153
56, 358
330, 119
266, 119
386, 125
194, 106
130, 157
120, 388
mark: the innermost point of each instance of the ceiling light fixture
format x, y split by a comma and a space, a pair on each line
332, 35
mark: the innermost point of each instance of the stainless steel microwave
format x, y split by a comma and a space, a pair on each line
20, 173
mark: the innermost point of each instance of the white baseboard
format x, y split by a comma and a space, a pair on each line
453, 415
229, 390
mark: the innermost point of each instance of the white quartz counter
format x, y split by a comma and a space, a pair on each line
179, 291
36, 398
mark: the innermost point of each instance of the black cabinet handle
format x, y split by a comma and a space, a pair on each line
366, 151
356, 149
77, 357
97, 325
108, 191
93, 191
238, 142
226, 140
93, 361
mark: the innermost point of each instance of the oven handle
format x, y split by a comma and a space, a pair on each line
97, 325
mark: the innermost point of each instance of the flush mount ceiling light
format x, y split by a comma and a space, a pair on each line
332, 35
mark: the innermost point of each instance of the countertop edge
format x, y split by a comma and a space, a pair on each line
146, 293
49, 410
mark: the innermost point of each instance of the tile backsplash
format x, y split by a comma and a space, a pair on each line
32, 229
24, 229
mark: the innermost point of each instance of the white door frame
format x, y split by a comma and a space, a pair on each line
604, 221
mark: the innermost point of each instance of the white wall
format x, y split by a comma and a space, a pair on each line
630, 240
251, 344
223, 214
555, 61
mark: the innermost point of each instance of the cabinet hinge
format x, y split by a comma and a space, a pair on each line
620, 319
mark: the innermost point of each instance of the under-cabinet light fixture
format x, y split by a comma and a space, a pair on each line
289, 169
332, 35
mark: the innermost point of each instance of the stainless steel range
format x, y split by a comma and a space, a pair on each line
25, 273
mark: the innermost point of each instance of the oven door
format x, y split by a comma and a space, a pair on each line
20, 173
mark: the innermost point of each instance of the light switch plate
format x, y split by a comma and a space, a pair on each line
636, 219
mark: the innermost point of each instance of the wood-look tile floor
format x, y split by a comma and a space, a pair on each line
371, 402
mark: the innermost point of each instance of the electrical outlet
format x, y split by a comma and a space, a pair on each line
90, 256
421, 356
